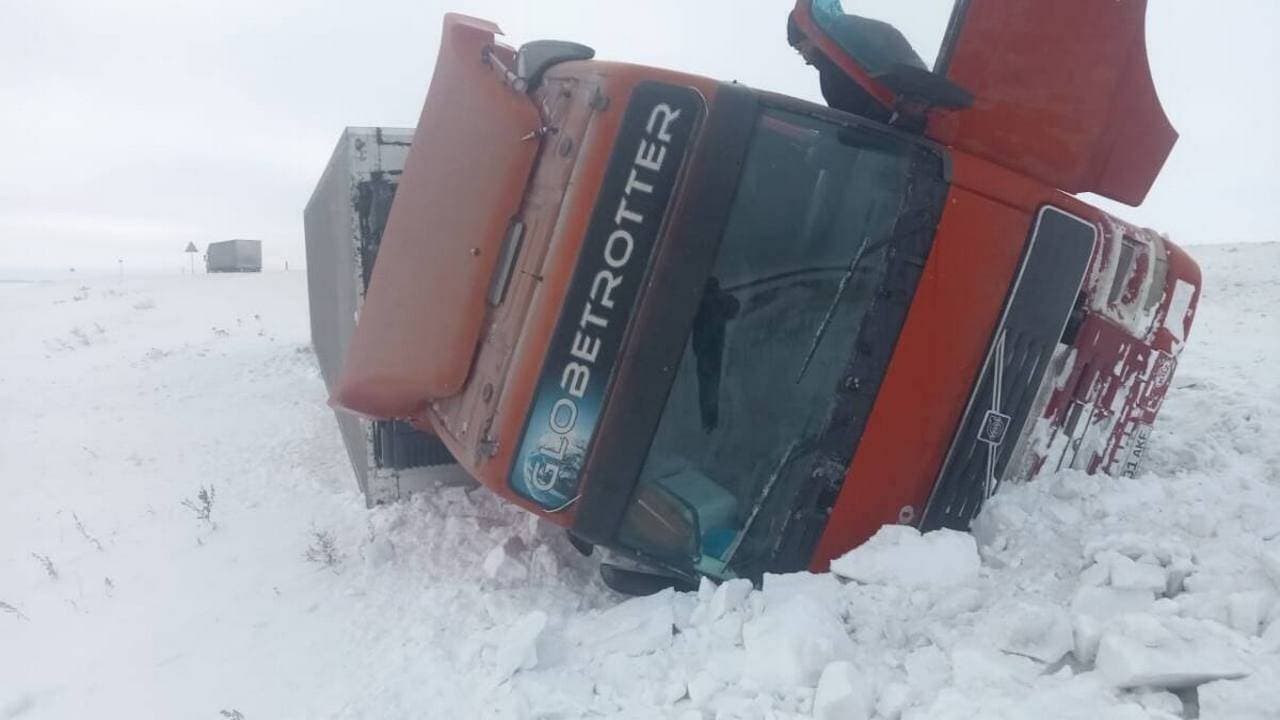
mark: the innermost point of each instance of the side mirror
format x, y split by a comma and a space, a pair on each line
662, 524
533, 59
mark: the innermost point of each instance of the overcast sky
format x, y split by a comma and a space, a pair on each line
131, 127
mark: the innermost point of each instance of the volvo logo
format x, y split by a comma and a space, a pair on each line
994, 426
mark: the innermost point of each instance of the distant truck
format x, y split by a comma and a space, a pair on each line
234, 256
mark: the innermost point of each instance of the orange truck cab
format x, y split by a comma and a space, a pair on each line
723, 332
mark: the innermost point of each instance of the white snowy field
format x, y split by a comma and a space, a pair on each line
1076, 596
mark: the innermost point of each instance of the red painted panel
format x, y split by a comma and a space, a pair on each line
1063, 93
931, 374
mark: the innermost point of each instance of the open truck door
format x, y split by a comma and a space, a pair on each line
1059, 90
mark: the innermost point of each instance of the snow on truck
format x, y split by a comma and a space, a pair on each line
723, 332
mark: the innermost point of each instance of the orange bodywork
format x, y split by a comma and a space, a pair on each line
430, 347
979, 242
929, 379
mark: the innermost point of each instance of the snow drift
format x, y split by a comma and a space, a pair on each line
125, 593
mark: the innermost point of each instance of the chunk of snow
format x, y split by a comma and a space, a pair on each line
519, 647
703, 687
1093, 606
900, 555
1246, 610
1144, 651
893, 699
1270, 559
706, 588
1096, 575
1086, 632
975, 663
1162, 702
1256, 697
1127, 574
791, 642
928, 668
1105, 603
956, 602
379, 552
498, 564
636, 627
1271, 637
1137, 545
717, 601
824, 588
549, 692
1039, 632
843, 693
728, 596
494, 560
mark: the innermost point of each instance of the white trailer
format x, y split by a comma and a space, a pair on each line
343, 227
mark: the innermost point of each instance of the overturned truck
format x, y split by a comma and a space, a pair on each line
722, 332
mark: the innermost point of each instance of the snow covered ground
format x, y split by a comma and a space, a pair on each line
120, 400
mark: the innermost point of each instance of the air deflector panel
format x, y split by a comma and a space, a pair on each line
463, 183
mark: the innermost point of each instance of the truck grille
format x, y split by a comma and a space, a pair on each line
1039, 305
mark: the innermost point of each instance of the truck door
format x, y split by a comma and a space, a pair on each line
1059, 90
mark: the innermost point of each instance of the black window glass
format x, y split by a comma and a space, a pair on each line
803, 252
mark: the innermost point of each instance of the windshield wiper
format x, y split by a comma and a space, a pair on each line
835, 302
765, 494
715, 311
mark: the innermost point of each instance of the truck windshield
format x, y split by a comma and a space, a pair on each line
800, 265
